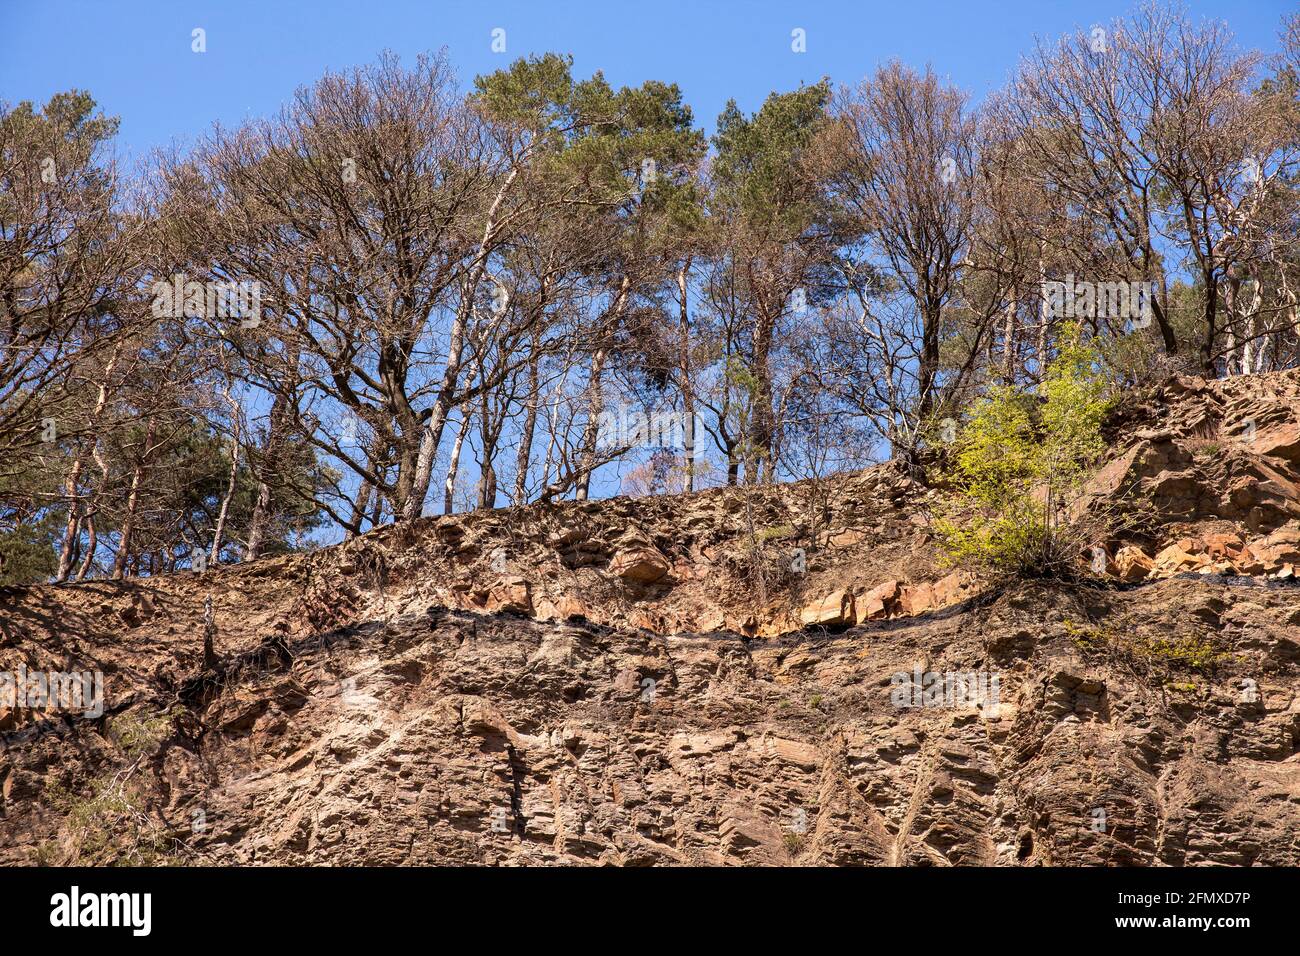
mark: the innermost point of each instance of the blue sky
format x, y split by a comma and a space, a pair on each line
135, 56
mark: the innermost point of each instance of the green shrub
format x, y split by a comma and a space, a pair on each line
108, 823
1159, 656
1182, 652
1018, 464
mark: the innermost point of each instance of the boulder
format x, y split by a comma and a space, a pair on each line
1175, 492
710, 619
1247, 563
1278, 441
571, 608
480, 718
847, 538
643, 564
1223, 545
1280, 547
1111, 478
1132, 563
949, 588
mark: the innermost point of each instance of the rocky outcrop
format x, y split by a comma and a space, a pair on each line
454, 737
1224, 449
1206, 475
741, 676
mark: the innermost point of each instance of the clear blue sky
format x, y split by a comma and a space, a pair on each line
135, 56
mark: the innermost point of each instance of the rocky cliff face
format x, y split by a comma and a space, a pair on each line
782, 676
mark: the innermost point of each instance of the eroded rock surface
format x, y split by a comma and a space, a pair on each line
724, 678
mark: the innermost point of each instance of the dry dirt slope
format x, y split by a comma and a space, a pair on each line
702, 679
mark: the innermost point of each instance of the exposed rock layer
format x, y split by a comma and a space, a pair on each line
713, 678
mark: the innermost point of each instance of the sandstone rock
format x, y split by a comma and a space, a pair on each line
643, 564
949, 588
804, 755
875, 603
1111, 477
1175, 559
916, 598
458, 715
510, 594
483, 719
711, 619
566, 537
743, 832
1247, 563
571, 608
1280, 547
1224, 544
847, 538
1132, 564
833, 609
1279, 441
1174, 492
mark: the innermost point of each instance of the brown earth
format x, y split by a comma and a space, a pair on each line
709, 678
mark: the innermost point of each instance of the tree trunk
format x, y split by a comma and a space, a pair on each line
487, 484
1009, 338
431, 436
524, 454
258, 522
687, 383
261, 516
376, 457
132, 503
92, 509
762, 427
72, 530
92, 542
453, 467
590, 430
929, 364
1211, 292
595, 400
236, 412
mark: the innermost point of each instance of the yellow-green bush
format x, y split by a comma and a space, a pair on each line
1018, 462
